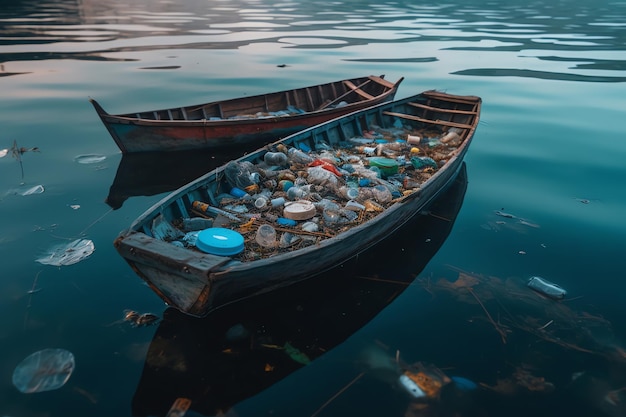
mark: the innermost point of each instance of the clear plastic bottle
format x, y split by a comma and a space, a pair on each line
295, 193
298, 157
349, 193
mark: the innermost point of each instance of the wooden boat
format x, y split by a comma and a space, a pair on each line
247, 122
237, 261
237, 352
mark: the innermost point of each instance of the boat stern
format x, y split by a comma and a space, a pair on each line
179, 276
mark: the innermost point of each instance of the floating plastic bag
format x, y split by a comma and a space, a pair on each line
37, 189
319, 176
68, 254
44, 370
89, 159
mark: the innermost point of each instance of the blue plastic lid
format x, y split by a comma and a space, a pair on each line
220, 241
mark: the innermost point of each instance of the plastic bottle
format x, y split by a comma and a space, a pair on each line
275, 158
381, 194
298, 157
238, 175
349, 193
409, 183
196, 223
285, 185
547, 288
295, 193
238, 192
389, 148
277, 202
288, 239
453, 134
367, 150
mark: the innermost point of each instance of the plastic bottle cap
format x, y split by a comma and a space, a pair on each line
299, 210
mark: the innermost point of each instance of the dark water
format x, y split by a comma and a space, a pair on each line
549, 150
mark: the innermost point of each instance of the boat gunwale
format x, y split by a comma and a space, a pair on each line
121, 117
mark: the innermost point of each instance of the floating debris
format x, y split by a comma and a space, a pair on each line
518, 308
37, 189
524, 379
296, 355
17, 152
137, 320
68, 254
513, 222
505, 214
237, 333
89, 159
424, 381
44, 370
546, 288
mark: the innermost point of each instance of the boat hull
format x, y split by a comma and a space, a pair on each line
165, 131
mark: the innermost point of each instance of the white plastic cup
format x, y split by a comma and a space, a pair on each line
261, 202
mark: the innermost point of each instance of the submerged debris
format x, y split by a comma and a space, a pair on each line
44, 370
516, 306
137, 320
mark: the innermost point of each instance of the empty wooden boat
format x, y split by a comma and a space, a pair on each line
245, 122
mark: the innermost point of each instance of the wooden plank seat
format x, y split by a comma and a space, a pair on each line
423, 120
357, 90
440, 110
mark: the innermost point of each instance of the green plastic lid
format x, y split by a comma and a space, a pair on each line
387, 166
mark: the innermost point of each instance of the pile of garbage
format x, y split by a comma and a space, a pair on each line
296, 197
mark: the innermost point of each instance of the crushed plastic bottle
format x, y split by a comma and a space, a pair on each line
546, 288
296, 156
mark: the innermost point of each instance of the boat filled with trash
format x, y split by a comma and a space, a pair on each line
300, 205
294, 198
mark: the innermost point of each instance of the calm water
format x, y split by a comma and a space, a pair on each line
549, 150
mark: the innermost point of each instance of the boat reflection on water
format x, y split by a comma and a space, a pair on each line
240, 350
151, 173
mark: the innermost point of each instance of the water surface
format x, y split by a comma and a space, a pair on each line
548, 150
